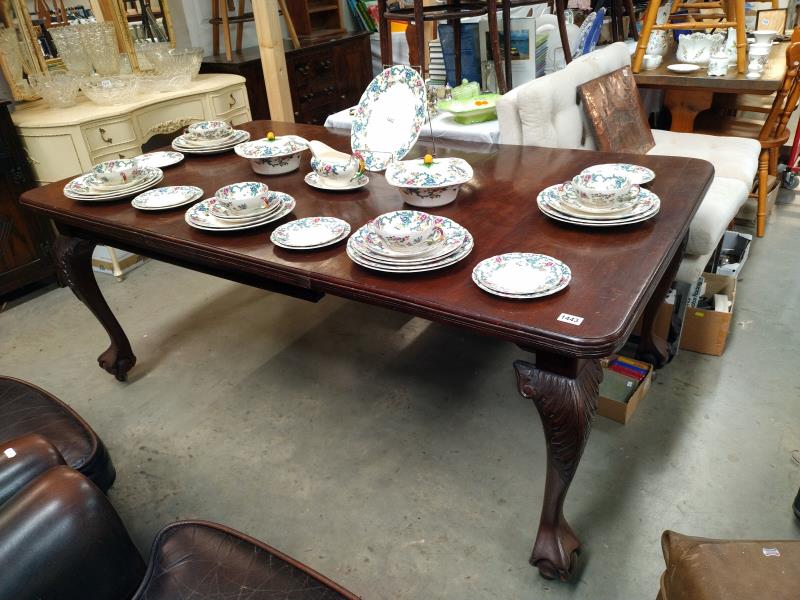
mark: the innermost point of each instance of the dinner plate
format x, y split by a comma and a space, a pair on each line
199, 216
683, 68
242, 136
159, 159
558, 197
522, 274
451, 237
389, 117
450, 259
163, 198
548, 200
313, 180
77, 189
310, 232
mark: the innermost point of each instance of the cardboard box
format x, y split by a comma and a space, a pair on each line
706, 330
621, 412
736, 248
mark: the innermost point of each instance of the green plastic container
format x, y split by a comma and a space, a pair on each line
471, 110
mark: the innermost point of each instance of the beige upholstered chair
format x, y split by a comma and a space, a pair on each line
546, 112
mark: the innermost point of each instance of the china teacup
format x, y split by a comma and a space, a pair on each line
243, 199
209, 130
651, 61
116, 172
335, 169
603, 187
405, 230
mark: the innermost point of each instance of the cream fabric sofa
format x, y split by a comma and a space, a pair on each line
546, 112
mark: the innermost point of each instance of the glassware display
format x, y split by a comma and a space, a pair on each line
58, 88
9, 48
100, 43
71, 50
110, 90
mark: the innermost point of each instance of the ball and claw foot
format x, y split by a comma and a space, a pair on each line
116, 363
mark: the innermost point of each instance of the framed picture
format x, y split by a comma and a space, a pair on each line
615, 113
773, 18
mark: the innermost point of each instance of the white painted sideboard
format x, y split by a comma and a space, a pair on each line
65, 142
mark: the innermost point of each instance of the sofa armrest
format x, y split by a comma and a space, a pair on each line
22, 460
61, 538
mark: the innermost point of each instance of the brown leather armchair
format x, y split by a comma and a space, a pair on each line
60, 539
25, 409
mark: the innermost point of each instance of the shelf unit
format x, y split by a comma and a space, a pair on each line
315, 16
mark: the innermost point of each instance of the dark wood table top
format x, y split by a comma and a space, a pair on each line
732, 83
614, 270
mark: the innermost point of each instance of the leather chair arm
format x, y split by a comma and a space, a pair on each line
22, 460
61, 538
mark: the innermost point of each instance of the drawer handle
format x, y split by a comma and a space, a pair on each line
121, 155
103, 136
232, 103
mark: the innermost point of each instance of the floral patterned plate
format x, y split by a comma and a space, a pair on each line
315, 181
522, 274
360, 259
242, 136
80, 188
637, 174
160, 159
167, 197
310, 232
450, 237
550, 203
389, 117
441, 172
199, 216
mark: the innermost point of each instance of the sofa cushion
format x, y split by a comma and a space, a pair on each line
546, 112
733, 157
721, 203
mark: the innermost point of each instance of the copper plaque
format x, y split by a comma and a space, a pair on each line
615, 113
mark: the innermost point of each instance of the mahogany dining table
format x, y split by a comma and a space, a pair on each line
619, 274
688, 94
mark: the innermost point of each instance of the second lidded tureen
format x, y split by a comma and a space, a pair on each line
273, 155
429, 182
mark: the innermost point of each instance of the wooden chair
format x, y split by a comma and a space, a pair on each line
452, 12
724, 14
771, 133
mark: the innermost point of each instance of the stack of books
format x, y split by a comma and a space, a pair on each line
436, 70
365, 13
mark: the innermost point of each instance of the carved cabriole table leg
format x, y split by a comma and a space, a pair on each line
565, 393
74, 263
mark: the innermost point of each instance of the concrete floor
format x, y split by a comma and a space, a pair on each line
395, 455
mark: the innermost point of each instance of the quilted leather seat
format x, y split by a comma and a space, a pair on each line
705, 569
60, 539
25, 409
545, 112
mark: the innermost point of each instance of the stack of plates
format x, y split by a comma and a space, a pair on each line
452, 243
88, 189
521, 275
562, 203
310, 233
204, 215
183, 144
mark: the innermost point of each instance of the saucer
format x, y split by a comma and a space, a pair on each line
167, 197
683, 68
571, 198
522, 275
310, 233
314, 180
159, 159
